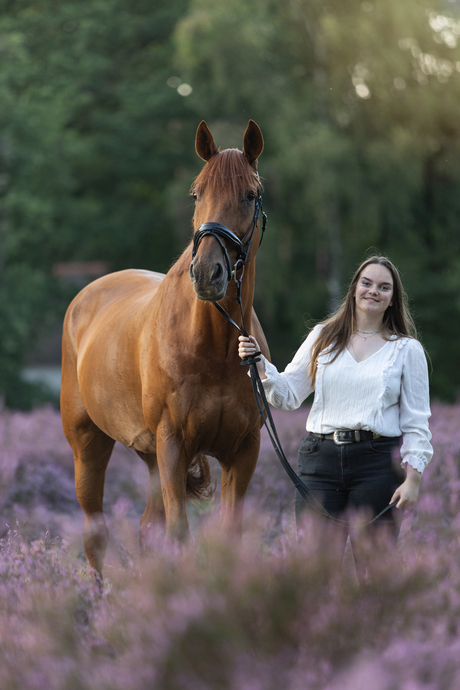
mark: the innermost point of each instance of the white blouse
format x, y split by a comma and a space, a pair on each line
386, 393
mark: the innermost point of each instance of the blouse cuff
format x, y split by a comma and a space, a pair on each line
418, 462
270, 369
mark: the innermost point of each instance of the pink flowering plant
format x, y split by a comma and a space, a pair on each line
265, 612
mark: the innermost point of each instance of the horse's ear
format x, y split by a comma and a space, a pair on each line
253, 143
204, 143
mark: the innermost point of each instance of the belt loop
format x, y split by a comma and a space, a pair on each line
357, 435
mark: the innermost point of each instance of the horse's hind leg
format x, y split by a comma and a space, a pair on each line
92, 449
154, 512
91, 462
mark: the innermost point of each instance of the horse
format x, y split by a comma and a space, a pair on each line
148, 361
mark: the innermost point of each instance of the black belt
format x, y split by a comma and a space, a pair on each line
342, 437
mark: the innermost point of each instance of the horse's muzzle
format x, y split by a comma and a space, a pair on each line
209, 280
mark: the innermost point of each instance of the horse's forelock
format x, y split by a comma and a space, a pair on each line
227, 173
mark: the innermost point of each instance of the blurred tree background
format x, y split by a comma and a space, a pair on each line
358, 104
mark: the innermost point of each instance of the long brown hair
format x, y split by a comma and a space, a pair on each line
339, 327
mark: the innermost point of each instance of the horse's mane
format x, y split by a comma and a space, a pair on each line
228, 172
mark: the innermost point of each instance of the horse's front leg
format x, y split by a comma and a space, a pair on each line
154, 512
173, 464
236, 474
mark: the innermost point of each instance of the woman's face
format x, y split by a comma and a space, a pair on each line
374, 290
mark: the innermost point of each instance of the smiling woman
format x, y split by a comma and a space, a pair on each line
370, 378
373, 296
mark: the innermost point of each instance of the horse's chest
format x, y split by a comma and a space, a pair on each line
215, 417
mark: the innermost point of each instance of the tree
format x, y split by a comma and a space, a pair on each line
357, 102
91, 133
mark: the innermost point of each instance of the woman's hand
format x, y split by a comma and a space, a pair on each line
248, 347
407, 493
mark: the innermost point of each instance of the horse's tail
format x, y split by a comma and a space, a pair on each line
199, 484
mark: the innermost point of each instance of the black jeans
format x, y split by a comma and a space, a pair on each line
356, 475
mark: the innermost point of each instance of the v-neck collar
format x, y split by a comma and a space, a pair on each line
361, 361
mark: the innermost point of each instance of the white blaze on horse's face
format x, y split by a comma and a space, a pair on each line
227, 200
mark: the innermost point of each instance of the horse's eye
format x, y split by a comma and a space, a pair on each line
194, 195
250, 196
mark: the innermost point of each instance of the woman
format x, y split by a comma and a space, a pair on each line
370, 378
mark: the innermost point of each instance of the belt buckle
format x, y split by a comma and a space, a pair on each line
337, 441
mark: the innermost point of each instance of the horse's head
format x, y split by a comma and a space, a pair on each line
227, 204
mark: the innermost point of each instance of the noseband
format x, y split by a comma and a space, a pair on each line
221, 232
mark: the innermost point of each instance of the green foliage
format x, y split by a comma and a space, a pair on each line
357, 102
91, 136
89, 118
358, 105
24, 293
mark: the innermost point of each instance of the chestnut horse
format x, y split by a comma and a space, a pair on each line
147, 360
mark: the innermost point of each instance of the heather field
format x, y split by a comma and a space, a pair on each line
263, 614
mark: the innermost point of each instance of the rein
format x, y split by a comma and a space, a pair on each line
219, 231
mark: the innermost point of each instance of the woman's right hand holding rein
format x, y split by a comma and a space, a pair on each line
247, 347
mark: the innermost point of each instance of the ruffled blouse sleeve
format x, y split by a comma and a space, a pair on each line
414, 408
288, 390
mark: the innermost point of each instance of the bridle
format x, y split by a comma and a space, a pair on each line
242, 246
220, 233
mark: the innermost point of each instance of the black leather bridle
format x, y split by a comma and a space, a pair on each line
220, 233
243, 245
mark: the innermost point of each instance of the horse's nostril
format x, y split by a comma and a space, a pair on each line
217, 273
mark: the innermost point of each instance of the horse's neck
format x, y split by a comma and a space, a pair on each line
210, 319
207, 325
